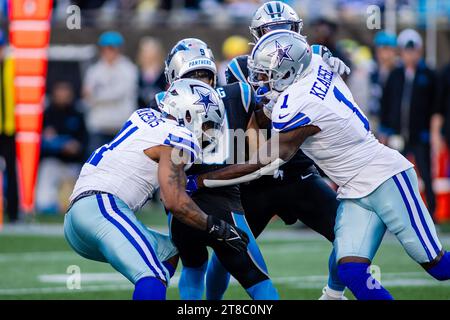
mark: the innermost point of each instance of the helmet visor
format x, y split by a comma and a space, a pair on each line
285, 25
200, 74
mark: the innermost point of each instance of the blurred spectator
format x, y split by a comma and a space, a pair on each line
232, 47
7, 130
151, 70
4, 8
89, 4
324, 32
408, 105
110, 90
444, 105
88, 9
173, 4
242, 9
385, 61
358, 81
64, 138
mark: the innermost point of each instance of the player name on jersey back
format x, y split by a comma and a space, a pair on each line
345, 148
123, 169
322, 84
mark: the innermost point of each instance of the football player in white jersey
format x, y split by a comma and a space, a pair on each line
378, 187
151, 151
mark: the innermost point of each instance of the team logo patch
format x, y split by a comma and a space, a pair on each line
205, 100
282, 53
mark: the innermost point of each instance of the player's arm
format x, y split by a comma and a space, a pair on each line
172, 181
255, 136
276, 151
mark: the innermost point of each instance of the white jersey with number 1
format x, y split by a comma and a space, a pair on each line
345, 148
121, 167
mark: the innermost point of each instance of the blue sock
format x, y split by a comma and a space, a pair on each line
169, 268
441, 271
355, 276
334, 282
263, 290
192, 282
149, 288
217, 279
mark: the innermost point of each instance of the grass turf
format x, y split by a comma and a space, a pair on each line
34, 267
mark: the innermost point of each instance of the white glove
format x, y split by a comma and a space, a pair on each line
337, 65
268, 107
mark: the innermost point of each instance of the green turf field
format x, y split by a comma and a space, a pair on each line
35, 267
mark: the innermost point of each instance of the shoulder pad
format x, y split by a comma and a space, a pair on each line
237, 70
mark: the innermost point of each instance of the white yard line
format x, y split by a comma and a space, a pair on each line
38, 256
407, 279
288, 233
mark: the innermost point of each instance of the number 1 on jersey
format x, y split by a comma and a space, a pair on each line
341, 98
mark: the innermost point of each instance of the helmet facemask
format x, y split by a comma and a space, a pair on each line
274, 81
258, 32
274, 15
279, 59
212, 133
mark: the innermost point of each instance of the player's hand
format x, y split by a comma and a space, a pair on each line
336, 64
266, 100
191, 184
223, 231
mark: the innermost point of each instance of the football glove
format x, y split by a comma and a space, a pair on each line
268, 102
230, 235
336, 64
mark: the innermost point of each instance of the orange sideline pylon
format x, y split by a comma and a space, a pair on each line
441, 187
29, 33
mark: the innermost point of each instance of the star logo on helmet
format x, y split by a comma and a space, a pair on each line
205, 100
282, 53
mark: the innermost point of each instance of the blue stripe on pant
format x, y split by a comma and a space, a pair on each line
253, 249
157, 264
421, 214
154, 267
416, 215
396, 205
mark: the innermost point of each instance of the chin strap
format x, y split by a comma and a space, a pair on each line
267, 170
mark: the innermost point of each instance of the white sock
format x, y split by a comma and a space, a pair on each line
333, 293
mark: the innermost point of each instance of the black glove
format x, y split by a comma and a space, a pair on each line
231, 235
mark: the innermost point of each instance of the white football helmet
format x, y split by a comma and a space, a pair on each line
278, 59
274, 15
188, 55
198, 107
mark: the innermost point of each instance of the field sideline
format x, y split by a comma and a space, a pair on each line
34, 260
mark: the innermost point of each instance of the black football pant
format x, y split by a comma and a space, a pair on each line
192, 243
305, 197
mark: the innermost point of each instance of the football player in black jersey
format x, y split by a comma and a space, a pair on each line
191, 58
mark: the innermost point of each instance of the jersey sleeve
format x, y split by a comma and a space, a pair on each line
155, 130
184, 141
289, 114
